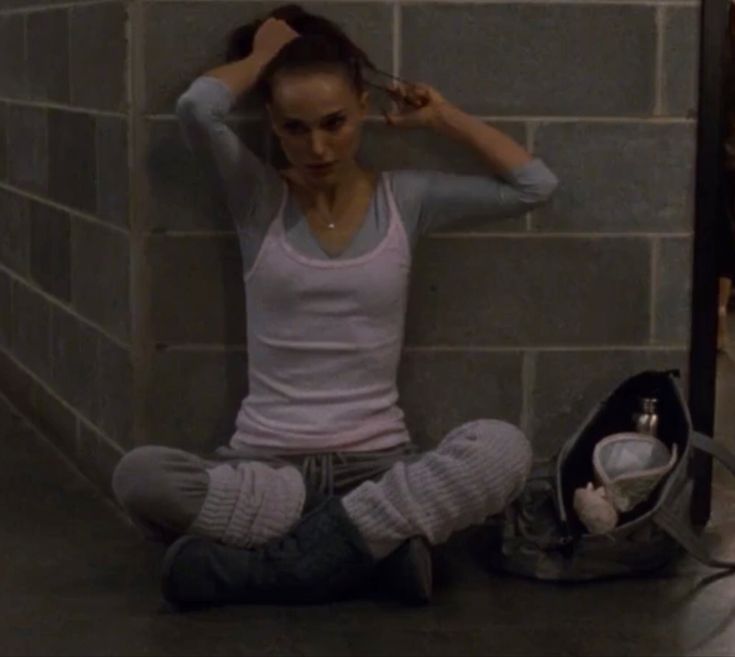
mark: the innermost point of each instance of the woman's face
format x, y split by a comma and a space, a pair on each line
317, 117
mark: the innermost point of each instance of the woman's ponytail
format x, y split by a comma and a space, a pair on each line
321, 43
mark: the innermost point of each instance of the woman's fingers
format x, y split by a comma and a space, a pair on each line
409, 95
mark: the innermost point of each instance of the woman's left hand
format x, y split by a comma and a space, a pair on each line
418, 105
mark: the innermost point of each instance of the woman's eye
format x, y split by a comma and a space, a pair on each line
336, 123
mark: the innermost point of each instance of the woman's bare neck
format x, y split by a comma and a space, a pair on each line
330, 195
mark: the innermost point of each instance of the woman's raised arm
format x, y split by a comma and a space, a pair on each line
202, 110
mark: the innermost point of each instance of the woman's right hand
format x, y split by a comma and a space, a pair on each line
271, 36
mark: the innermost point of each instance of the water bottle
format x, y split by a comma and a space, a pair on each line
646, 420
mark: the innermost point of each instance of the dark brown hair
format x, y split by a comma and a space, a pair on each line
321, 44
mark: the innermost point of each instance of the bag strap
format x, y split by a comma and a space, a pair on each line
679, 529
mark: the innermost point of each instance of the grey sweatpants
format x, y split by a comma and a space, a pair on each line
246, 498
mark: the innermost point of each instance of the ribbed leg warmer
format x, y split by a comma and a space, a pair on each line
249, 503
475, 472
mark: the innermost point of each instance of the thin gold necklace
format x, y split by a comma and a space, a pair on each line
329, 224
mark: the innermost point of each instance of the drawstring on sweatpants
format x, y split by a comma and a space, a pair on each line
318, 471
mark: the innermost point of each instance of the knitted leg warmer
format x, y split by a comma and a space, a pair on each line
476, 471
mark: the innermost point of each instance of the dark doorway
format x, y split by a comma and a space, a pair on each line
711, 207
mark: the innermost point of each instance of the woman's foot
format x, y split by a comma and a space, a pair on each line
323, 558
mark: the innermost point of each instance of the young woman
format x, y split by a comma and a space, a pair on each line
321, 482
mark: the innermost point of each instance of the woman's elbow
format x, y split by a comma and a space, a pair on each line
542, 190
549, 187
186, 106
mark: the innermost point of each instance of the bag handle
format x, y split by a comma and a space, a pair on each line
680, 530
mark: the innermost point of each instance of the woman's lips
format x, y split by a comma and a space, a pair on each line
320, 168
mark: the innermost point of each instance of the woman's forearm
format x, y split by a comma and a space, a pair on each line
502, 153
240, 75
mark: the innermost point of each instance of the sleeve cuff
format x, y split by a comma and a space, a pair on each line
207, 91
532, 174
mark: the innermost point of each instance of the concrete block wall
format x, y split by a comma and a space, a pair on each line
528, 319
64, 225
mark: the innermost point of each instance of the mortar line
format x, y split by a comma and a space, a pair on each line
242, 348
645, 3
204, 234
140, 269
60, 304
658, 84
78, 416
545, 235
74, 109
490, 118
74, 212
26, 77
35, 9
549, 348
68, 54
65, 457
397, 27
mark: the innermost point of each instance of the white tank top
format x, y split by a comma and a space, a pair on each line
324, 343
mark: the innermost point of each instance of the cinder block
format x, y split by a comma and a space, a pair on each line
439, 390
72, 170
98, 56
185, 190
15, 232
28, 151
529, 291
15, 382
97, 457
50, 249
197, 290
681, 60
32, 400
113, 193
55, 420
31, 321
3, 141
569, 383
13, 80
113, 409
100, 272
93, 374
48, 55
673, 291
618, 177
198, 36
74, 360
534, 58
193, 398
5, 310
386, 147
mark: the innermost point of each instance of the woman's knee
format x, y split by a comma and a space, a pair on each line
140, 478
495, 440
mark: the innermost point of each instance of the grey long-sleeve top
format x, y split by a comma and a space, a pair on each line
426, 200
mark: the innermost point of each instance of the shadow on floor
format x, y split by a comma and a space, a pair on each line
77, 580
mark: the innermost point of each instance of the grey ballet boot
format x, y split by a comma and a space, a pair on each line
321, 559
407, 573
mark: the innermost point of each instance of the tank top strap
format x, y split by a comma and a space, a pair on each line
275, 228
395, 222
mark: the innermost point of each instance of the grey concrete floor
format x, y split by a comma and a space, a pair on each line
76, 579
